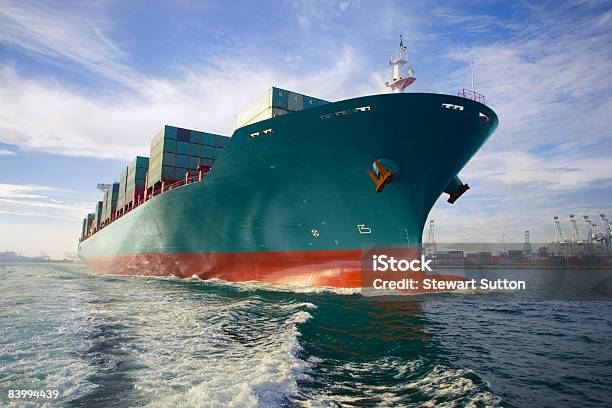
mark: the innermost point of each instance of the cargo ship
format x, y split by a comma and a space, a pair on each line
298, 195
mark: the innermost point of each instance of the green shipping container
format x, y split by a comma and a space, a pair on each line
122, 185
220, 141
169, 146
193, 163
197, 137
195, 149
98, 214
296, 102
136, 176
180, 173
141, 172
182, 148
169, 159
209, 139
111, 196
141, 162
168, 173
280, 98
175, 150
170, 132
182, 161
208, 152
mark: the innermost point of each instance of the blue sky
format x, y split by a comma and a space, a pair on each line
84, 86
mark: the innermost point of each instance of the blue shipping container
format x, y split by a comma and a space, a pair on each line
183, 148
170, 132
181, 161
183, 135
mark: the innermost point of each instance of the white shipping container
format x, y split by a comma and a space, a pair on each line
253, 109
274, 99
268, 113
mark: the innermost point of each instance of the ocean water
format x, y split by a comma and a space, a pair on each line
104, 341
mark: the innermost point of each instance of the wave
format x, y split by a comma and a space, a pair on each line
396, 383
247, 358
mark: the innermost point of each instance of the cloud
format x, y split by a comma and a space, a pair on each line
42, 114
548, 81
38, 201
321, 15
552, 84
24, 191
557, 172
74, 33
344, 5
468, 22
4, 152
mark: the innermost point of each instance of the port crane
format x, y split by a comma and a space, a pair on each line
577, 240
430, 245
606, 236
527, 245
560, 242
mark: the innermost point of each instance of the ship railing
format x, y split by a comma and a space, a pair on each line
473, 95
164, 187
169, 186
179, 183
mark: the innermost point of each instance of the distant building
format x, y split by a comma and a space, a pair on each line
515, 253
455, 254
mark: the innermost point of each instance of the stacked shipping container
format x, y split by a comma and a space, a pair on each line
176, 151
111, 195
275, 102
104, 202
87, 224
97, 215
135, 181
121, 199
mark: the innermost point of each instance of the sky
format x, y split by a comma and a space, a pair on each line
84, 86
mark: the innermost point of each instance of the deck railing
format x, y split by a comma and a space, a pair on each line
473, 95
188, 179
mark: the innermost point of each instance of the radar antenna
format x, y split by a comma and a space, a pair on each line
399, 82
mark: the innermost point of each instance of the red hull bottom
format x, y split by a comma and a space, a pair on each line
330, 268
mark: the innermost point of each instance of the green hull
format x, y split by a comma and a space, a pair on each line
305, 186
